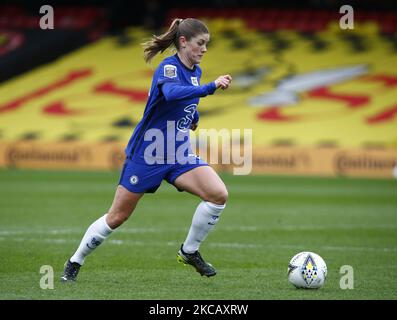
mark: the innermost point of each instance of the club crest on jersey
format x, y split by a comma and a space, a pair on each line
134, 179
169, 71
194, 81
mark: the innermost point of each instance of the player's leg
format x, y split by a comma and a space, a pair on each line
204, 182
135, 180
122, 207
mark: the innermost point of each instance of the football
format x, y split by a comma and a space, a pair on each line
307, 270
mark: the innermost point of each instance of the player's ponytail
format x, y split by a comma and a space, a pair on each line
160, 43
179, 27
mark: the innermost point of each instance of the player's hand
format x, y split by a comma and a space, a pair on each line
223, 82
193, 126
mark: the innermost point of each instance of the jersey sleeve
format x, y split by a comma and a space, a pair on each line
167, 73
175, 91
170, 85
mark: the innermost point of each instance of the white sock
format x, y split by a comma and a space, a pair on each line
93, 237
204, 220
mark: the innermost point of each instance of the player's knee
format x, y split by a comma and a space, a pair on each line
116, 219
222, 197
218, 196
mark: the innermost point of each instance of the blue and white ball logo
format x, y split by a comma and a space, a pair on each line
134, 179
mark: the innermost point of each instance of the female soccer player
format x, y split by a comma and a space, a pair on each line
159, 148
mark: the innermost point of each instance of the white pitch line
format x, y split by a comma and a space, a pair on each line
142, 230
235, 245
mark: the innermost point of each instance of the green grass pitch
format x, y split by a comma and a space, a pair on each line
44, 214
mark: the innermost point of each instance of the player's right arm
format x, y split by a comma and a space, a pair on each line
175, 91
167, 78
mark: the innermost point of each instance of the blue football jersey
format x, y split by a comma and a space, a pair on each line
163, 131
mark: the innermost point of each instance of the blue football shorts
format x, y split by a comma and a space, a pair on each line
140, 177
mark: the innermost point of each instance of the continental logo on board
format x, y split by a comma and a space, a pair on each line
368, 163
16, 155
324, 161
282, 160
291, 160
266, 160
73, 155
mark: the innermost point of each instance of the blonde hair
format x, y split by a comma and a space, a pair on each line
188, 28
